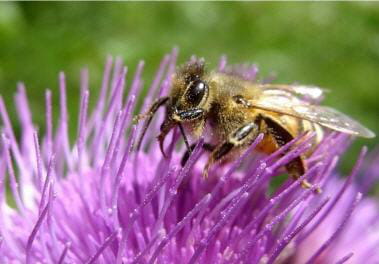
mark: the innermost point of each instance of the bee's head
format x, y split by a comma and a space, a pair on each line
190, 92
188, 98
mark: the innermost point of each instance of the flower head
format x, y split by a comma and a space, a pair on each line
99, 201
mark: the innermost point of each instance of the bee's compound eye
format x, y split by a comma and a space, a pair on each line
196, 92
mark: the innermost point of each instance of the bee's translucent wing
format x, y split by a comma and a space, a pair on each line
322, 115
306, 92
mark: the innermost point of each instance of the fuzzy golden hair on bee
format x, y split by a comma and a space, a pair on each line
192, 70
185, 74
236, 110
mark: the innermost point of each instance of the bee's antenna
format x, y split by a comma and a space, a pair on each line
150, 114
185, 138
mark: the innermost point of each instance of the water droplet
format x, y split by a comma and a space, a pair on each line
262, 165
269, 170
203, 242
162, 232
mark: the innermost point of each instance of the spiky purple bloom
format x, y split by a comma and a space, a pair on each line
97, 201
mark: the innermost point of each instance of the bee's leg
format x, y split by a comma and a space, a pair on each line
177, 118
206, 146
241, 136
297, 167
149, 115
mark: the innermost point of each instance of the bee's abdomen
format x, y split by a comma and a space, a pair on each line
281, 130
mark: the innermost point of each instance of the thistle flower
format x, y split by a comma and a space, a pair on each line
98, 201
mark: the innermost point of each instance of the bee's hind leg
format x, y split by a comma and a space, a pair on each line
243, 135
296, 167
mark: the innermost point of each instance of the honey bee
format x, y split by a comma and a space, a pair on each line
236, 111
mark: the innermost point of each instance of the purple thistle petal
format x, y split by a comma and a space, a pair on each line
46, 183
97, 201
337, 197
106, 243
171, 69
126, 117
64, 252
62, 137
134, 215
136, 83
172, 192
97, 114
370, 176
39, 180
222, 63
198, 207
105, 123
13, 181
34, 232
10, 134
224, 178
23, 108
149, 196
155, 83
338, 231
105, 168
284, 242
117, 71
345, 258
276, 199
252, 241
121, 170
49, 124
81, 129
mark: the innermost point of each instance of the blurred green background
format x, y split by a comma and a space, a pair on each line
333, 45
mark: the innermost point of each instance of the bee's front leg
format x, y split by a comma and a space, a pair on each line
243, 135
149, 115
